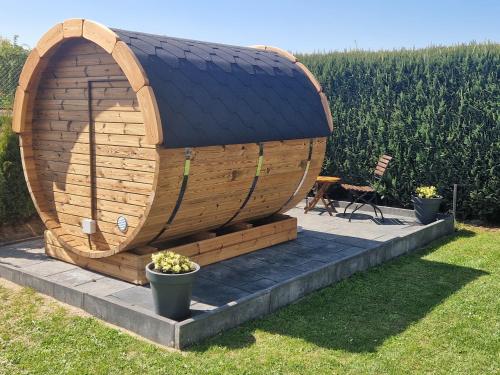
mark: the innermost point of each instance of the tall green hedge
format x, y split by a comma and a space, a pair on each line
15, 202
435, 110
12, 58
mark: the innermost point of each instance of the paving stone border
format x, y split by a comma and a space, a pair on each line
182, 334
264, 302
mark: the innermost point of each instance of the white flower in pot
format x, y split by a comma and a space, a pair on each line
171, 277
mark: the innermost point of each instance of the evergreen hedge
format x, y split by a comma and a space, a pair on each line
12, 58
435, 110
15, 202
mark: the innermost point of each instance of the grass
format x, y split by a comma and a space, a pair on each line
435, 311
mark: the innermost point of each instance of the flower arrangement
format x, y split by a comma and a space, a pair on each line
427, 192
170, 262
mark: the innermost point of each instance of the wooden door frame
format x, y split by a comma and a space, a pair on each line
92, 155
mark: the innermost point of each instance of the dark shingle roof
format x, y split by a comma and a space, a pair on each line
215, 94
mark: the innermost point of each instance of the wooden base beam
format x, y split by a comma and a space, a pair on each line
203, 248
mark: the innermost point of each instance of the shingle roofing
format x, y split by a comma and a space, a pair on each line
215, 94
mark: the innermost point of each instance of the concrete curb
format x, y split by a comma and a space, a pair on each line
133, 318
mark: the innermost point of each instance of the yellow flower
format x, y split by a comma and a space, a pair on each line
427, 192
170, 262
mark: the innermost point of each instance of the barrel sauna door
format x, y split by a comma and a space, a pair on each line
105, 212
99, 100
119, 179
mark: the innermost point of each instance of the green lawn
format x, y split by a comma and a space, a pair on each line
436, 311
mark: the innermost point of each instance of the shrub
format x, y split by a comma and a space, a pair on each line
170, 262
435, 110
15, 201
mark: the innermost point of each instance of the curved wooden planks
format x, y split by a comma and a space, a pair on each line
100, 35
104, 38
50, 39
152, 118
130, 65
73, 28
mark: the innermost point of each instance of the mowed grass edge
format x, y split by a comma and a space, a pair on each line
434, 311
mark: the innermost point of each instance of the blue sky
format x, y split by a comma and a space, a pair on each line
298, 26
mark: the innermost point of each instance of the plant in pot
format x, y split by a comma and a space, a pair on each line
426, 203
171, 277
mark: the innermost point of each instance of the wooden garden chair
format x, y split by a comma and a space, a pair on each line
366, 194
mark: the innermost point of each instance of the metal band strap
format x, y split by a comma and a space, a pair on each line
306, 170
260, 161
185, 178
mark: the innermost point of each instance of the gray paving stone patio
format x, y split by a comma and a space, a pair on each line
232, 291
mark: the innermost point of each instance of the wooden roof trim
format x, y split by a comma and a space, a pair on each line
109, 41
152, 119
133, 70
279, 51
50, 39
101, 35
311, 76
292, 58
129, 63
28, 79
19, 110
326, 107
31, 64
73, 28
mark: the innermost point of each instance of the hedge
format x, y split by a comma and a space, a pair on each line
435, 110
15, 202
12, 57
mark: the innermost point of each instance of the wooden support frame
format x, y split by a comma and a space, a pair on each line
203, 248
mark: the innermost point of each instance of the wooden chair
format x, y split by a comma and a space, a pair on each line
366, 194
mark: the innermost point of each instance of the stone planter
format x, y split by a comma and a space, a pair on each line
171, 292
426, 209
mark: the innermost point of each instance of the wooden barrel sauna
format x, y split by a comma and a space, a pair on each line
151, 138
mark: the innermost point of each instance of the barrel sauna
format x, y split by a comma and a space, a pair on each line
130, 139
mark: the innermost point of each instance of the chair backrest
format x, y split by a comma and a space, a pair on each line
381, 167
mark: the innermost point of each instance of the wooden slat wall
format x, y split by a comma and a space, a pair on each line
318, 154
220, 180
125, 164
283, 168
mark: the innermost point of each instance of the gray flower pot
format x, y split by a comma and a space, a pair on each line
426, 209
171, 292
